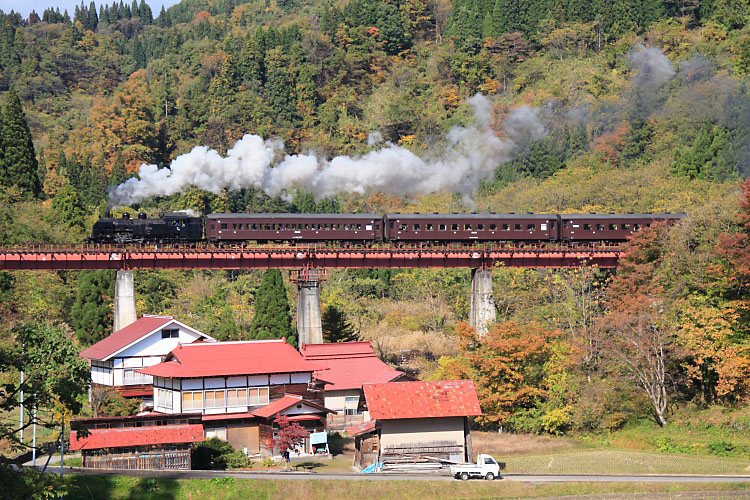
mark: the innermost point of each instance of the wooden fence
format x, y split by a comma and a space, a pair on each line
152, 460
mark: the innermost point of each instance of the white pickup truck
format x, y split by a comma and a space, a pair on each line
485, 467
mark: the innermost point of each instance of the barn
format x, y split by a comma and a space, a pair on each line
417, 421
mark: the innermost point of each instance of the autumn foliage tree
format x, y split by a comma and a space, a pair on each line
636, 333
290, 435
508, 366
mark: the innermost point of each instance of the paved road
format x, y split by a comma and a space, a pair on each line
527, 478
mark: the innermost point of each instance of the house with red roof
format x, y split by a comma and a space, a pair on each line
346, 367
115, 360
239, 389
139, 442
417, 419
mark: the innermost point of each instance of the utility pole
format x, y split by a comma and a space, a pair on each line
33, 450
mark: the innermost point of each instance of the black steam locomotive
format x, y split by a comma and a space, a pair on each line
175, 227
395, 228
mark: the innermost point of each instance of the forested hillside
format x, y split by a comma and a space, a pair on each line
411, 105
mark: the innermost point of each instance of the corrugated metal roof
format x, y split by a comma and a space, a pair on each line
441, 398
137, 436
125, 337
363, 428
287, 401
349, 365
216, 359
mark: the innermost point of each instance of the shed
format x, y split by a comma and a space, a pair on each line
423, 419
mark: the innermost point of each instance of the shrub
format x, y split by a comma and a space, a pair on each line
335, 443
721, 448
238, 460
211, 454
666, 445
557, 421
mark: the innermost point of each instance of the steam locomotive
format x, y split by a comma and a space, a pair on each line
397, 228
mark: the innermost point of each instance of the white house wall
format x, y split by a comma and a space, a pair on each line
154, 345
336, 400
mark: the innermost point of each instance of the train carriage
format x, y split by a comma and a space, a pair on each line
470, 228
608, 227
171, 227
294, 227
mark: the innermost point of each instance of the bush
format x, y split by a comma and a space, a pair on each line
335, 443
666, 445
721, 448
238, 460
211, 454
557, 421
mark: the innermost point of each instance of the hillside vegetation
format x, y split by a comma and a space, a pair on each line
539, 105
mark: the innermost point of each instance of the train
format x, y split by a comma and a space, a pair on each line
368, 228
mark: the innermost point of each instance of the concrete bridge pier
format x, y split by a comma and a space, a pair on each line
483, 312
309, 327
124, 300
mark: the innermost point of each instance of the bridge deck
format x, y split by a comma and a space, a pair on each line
306, 256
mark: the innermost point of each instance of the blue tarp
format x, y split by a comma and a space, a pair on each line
370, 469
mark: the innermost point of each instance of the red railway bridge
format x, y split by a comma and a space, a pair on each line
308, 256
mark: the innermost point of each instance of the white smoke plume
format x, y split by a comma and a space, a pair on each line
470, 155
653, 67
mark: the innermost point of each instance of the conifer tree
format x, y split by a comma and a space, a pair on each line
19, 163
272, 318
91, 315
68, 208
336, 328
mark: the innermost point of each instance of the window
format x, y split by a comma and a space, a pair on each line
428, 227
164, 398
441, 227
587, 227
171, 333
613, 227
215, 399
626, 227
493, 227
236, 397
403, 227
234, 226
531, 227
223, 226
636, 227
518, 227
600, 227
351, 401
213, 226
417, 227
467, 227
258, 396
192, 400
506, 227
480, 227
454, 227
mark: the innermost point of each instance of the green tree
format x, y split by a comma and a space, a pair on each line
19, 164
91, 315
67, 208
272, 317
55, 377
336, 328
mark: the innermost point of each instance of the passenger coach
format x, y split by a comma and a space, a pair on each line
471, 227
294, 227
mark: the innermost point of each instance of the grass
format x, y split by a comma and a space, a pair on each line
624, 462
121, 488
505, 444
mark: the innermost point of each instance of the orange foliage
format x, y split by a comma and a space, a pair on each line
609, 145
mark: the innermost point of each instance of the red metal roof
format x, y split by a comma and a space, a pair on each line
216, 359
137, 436
363, 428
287, 401
349, 365
440, 398
126, 336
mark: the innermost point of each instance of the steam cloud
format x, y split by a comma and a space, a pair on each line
471, 154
